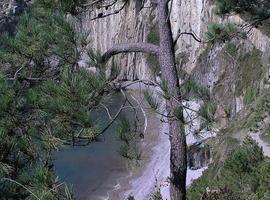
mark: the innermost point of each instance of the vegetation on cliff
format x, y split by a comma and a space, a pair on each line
46, 101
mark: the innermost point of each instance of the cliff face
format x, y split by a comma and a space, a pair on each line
132, 26
208, 65
127, 26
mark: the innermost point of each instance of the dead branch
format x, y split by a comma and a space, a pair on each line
195, 37
115, 116
100, 15
107, 110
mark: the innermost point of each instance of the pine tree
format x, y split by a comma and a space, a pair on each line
45, 101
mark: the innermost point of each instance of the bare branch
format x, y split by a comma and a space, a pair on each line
92, 3
107, 110
130, 48
195, 37
144, 114
115, 116
106, 6
100, 15
145, 82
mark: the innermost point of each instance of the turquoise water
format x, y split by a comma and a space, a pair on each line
93, 170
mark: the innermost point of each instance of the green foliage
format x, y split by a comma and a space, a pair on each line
220, 194
130, 197
227, 6
231, 48
263, 172
249, 70
156, 195
165, 89
153, 63
250, 95
258, 109
241, 176
178, 113
254, 7
222, 33
45, 101
152, 60
252, 122
71, 6
115, 71
66, 6
190, 89
65, 104
153, 36
43, 38
129, 148
256, 11
152, 101
207, 112
244, 159
124, 130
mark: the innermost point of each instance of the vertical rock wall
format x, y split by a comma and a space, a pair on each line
206, 66
132, 26
128, 25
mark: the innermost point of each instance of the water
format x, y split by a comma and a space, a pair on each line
93, 170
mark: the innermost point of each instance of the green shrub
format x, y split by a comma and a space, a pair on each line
222, 32
243, 175
245, 158
207, 112
127, 136
153, 36
254, 7
220, 194
250, 95
238, 6
152, 60
231, 49
156, 195
252, 122
191, 89
130, 197
257, 11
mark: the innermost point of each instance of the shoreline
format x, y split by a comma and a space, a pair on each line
154, 167
154, 170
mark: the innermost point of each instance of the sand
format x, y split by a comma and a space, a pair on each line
155, 169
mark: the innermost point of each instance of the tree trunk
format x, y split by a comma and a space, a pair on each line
165, 52
178, 154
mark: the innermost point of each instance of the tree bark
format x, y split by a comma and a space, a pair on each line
130, 47
178, 154
165, 53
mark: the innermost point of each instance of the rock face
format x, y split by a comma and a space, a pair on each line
205, 62
128, 25
190, 16
199, 156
